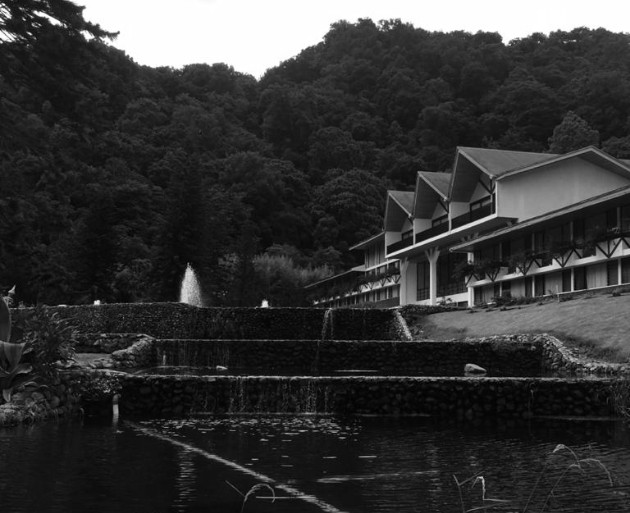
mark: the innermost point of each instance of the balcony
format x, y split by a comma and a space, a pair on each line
432, 232
400, 245
472, 216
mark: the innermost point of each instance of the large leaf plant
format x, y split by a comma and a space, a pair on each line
13, 372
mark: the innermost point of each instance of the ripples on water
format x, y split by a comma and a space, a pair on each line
358, 465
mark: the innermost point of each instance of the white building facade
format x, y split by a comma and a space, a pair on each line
500, 223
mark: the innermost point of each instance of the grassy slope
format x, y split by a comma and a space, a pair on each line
599, 325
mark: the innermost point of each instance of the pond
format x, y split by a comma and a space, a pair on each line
313, 464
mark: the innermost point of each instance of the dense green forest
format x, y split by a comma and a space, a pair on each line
114, 175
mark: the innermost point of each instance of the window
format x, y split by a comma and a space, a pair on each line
625, 218
540, 243
612, 268
479, 204
406, 235
439, 221
539, 285
579, 278
611, 220
481, 208
423, 281
528, 286
566, 280
625, 270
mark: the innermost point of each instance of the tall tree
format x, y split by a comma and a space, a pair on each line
572, 134
22, 21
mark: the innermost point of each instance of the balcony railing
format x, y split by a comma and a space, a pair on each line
469, 217
451, 288
432, 232
422, 294
400, 245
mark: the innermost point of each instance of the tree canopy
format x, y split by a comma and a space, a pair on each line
114, 176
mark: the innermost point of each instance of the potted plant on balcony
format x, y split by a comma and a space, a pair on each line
521, 261
561, 251
464, 271
488, 268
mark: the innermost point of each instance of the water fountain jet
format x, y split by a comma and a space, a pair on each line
190, 290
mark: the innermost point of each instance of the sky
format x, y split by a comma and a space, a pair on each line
255, 35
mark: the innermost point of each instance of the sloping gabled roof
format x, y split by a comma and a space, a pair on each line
589, 153
398, 209
439, 181
431, 188
498, 162
371, 241
404, 200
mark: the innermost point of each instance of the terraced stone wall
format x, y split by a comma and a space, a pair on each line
176, 320
463, 398
504, 356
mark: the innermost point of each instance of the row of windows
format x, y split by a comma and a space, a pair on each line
446, 283
613, 220
611, 273
388, 293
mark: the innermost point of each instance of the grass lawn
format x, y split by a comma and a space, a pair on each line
598, 325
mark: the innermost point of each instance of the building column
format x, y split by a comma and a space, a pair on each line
433, 255
408, 282
471, 291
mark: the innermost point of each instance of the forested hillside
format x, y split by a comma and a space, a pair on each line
113, 175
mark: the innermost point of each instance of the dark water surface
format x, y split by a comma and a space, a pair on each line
356, 465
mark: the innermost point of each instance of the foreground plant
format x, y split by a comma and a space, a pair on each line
575, 464
52, 340
252, 492
13, 372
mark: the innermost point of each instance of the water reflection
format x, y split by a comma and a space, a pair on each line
356, 465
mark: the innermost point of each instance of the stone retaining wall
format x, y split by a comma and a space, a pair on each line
500, 356
176, 320
33, 403
464, 398
557, 357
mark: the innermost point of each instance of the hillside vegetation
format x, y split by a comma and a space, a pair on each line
115, 176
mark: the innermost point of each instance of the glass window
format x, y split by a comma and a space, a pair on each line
579, 278
612, 267
625, 218
566, 280
423, 281
438, 221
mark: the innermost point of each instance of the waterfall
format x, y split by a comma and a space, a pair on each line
190, 291
405, 334
328, 322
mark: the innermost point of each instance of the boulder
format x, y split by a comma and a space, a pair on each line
471, 369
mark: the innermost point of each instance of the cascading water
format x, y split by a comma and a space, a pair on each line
327, 324
190, 291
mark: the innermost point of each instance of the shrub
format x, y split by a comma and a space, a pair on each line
52, 341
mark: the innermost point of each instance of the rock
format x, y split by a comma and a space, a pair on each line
37, 397
472, 369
